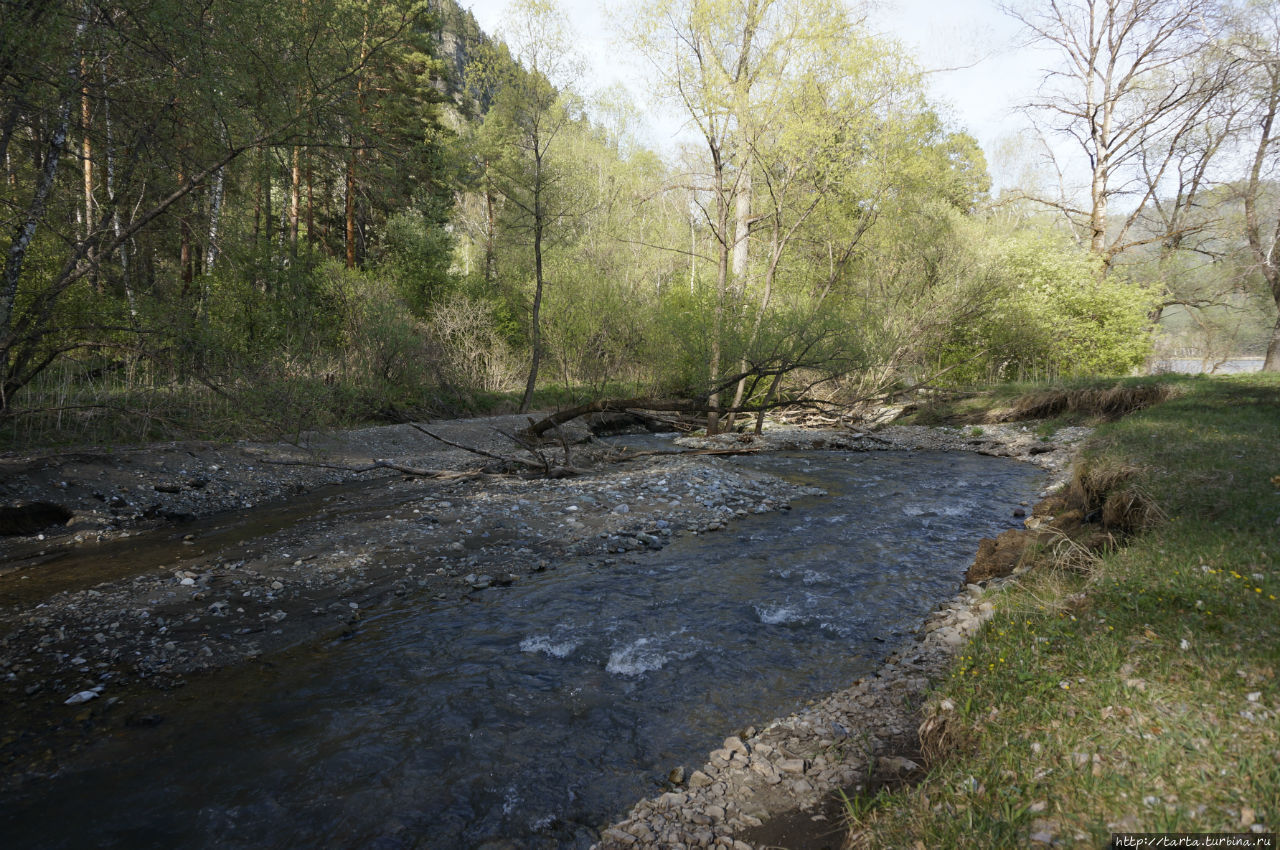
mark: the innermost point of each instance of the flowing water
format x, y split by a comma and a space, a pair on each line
531, 715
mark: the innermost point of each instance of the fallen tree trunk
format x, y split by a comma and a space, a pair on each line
637, 406
615, 405
415, 471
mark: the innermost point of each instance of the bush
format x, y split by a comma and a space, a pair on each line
1056, 314
473, 354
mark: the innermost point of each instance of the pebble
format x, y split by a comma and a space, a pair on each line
82, 696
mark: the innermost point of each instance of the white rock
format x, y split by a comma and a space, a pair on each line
82, 696
698, 779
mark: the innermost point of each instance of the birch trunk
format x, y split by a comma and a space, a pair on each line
295, 199
535, 333
215, 217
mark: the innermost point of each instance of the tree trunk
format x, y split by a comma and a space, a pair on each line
742, 229
215, 216
295, 200
741, 254
86, 150
351, 209
1272, 363
311, 222
115, 207
766, 296
22, 241
268, 219
490, 236
355, 149
535, 331
185, 262
722, 287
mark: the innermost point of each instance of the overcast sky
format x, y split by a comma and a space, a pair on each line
971, 35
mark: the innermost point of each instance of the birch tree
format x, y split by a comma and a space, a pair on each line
1126, 84
1256, 43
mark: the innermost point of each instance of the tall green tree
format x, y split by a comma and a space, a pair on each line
720, 61
532, 105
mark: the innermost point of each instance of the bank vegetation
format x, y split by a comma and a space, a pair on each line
225, 220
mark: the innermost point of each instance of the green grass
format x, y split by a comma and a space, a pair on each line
1120, 699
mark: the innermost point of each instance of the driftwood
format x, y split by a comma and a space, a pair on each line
416, 471
542, 466
639, 406
624, 456
614, 405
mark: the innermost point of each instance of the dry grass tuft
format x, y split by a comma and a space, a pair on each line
1131, 510
1071, 556
1110, 491
939, 733
1110, 404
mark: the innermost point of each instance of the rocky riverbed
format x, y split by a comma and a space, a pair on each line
150, 581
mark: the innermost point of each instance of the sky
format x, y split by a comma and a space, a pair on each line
978, 70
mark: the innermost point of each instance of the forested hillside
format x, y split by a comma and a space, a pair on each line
227, 218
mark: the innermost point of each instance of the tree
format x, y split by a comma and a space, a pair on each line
1127, 91
143, 144
531, 106
722, 62
839, 135
1257, 44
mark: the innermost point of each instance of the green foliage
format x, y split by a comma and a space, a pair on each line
678, 345
1055, 313
594, 330
417, 255
443, 180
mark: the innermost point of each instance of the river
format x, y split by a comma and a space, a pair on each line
531, 715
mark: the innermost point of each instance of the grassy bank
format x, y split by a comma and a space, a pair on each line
1134, 690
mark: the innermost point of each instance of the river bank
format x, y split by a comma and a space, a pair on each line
80, 652
1134, 690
